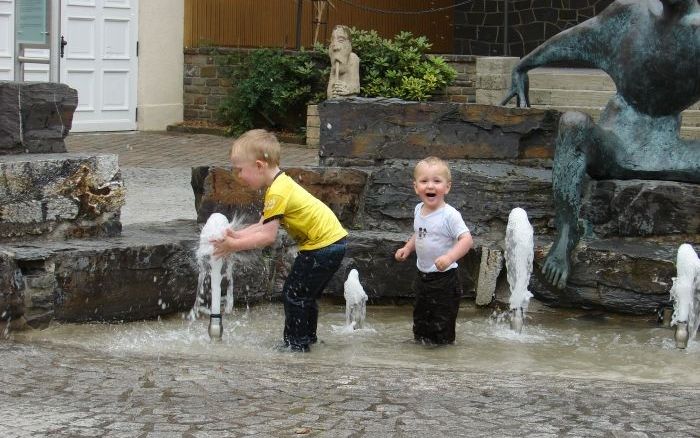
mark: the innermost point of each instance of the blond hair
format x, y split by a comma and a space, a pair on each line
257, 144
434, 161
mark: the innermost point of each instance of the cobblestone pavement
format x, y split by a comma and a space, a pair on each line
66, 392
166, 149
60, 391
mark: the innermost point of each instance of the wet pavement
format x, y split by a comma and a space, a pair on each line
68, 392
50, 389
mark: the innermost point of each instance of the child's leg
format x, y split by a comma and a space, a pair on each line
311, 272
447, 308
422, 313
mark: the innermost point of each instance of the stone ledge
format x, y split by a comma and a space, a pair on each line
380, 129
150, 270
622, 275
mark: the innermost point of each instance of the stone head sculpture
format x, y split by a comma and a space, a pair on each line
344, 79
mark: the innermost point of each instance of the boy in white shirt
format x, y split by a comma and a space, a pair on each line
440, 238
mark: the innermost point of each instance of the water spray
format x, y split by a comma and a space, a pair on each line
685, 294
355, 301
519, 255
516, 319
214, 229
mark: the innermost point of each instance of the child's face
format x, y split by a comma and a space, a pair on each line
431, 185
250, 172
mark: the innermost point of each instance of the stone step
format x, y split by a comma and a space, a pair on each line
569, 97
691, 133
571, 79
592, 111
690, 117
690, 127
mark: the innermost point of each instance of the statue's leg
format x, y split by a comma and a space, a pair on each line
578, 142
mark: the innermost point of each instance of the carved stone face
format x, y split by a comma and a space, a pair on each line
340, 47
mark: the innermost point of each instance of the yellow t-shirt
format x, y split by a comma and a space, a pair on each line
308, 220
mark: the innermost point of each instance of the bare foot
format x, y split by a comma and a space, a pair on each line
556, 264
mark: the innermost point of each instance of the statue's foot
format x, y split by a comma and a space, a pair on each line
556, 264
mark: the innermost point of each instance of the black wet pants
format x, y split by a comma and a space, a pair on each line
437, 302
310, 273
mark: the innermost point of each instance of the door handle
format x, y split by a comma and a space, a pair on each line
63, 45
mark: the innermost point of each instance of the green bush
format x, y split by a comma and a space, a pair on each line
399, 67
271, 88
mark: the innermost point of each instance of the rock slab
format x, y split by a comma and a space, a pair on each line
35, 117
364, 130
59, 196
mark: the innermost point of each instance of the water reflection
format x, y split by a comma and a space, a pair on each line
558, 343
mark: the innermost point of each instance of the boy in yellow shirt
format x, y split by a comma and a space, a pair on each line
255, 157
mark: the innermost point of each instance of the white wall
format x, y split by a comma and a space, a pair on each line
7, 40
161, 59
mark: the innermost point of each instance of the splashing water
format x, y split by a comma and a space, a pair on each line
215, 269
519, 254
685, 292
355, 301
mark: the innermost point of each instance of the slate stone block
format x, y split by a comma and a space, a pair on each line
642, 207
621, 275
35, 117
378, 129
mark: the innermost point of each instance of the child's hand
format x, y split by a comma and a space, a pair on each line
225, 245
443, 262
402, 254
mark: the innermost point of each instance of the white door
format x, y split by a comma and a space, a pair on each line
36, 72
100, 62
7, 40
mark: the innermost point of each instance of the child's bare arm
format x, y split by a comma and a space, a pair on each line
249, 229
458, 250
259, 235
406, 250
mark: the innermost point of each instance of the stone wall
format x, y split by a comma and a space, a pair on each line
479, 24
44, 200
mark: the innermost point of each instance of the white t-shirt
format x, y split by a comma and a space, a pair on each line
436, 234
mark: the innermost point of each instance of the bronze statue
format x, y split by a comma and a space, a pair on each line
344, 79
651, 50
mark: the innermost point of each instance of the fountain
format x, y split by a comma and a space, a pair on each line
355, 301
212, 267
685, 294
519, 255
